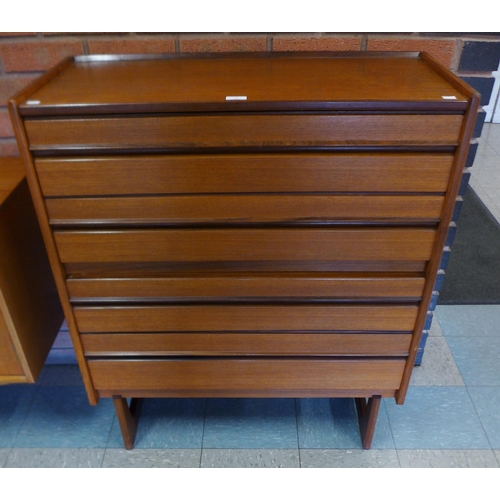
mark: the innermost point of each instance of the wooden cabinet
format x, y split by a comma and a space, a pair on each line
30, 310
251, 225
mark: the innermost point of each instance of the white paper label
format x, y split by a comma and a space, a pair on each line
236, 98
32, 103
449, 97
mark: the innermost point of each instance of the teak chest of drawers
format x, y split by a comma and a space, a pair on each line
261, 225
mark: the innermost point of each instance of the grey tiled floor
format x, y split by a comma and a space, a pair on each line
451, 417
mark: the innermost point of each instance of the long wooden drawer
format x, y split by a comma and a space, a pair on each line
215, 318
213, 131
246, 286
247, 374
242, 209
184, 245
245, 173
246, 344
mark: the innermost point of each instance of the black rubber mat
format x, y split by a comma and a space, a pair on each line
473, 272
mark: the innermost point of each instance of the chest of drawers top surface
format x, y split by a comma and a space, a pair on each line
244, 82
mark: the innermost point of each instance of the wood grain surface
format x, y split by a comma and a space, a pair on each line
245, 173
246, 344
247, 285
212, 318
184, 245
270, 80
30, 309
242, 131
243, 210
246, 374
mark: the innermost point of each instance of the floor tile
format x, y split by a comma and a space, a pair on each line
61, 417
486, 159
349, 458
436, 418
166, 423
54, 457
435, 329
490, 182
261, 459
477, 359
4, 453
478, 186
489, 177
250, 423
438, 366
62, 356
15, 404
491, 133
487, 403
495, 210
61, 375
62, 351
447, 458
63, 338
469, 320
333, 423
151, 458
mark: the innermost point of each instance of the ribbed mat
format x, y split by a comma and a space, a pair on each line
473, 272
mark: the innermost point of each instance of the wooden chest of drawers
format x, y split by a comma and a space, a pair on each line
262, 225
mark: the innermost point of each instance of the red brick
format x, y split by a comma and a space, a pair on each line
132, 46
236, 44
9, 86
6, 129
442, 50
300, 43
15, 33
9, 148
37, 56
78, 33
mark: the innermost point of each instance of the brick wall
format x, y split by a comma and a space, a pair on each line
24, 56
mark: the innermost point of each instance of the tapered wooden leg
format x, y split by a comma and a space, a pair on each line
127, 418
367, 416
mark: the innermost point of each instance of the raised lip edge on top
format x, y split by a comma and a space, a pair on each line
54, 110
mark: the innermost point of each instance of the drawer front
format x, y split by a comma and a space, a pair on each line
188, 245
246, 173
245, 344
205, 131
242, 209
247, 286
251, 375
250, 318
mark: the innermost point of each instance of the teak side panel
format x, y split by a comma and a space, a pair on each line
242, 209
313, 285
442, 230
184, 245
34, 187
231, 374
245, 173
213, 318
234, 130
245, 344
